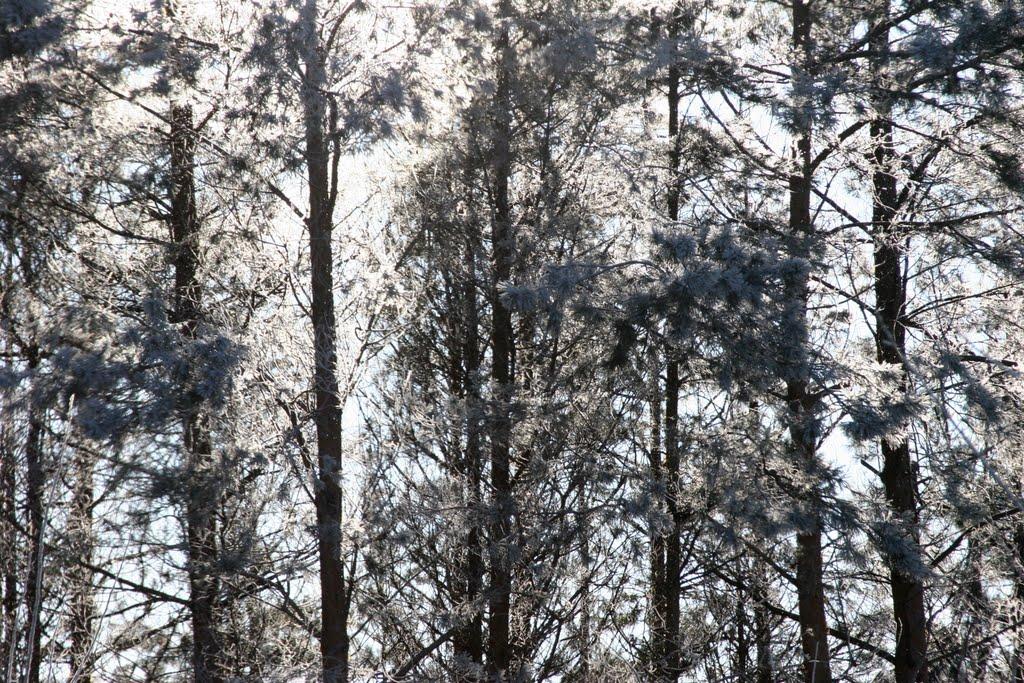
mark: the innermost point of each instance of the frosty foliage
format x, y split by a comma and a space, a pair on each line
28, 26
666, 341
138, 377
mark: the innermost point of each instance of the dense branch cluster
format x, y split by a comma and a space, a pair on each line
511, 340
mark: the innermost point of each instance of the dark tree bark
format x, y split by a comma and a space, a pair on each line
35, 481
82, 608
670, 668
765, 670
467, 642
35, 476
1017, 541
976, 648
742, 637
666, 566
586, 589
666, 546
656, 611
334, 599
899, 477
801, 403
9, 545
499, 641
201, 505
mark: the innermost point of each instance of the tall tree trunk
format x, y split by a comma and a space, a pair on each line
82, 608
977, 648
742, 659
670, 593
467, 643
898, 472
9, 549
35, 492
765, 672
656, 611
334, 601
201, 525
668, 564
802, 406
499, 644
1017, 664
665, 545
583, 528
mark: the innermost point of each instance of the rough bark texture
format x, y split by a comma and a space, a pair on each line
334, 601
742, 636
35, 481
1017, 665
666, 548
656, 613
9, 544
83, 613
499, 644
899, 477
665, 545
802, 405
765, 672
11, 557
467, 642
201, 524
586, 609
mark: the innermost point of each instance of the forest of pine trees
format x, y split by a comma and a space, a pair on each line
486, 341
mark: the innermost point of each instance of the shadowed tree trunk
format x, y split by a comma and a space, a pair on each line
666, 548
1017, 665
499, 645
8, 548
467, 642
82, 608
201, 525
35, 481
898, 472
586, 589
9, 541
802, 405
765, 672
656, 613
334, 600
742, 636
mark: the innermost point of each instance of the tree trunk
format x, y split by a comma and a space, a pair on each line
499, 645
1017, 665
670, 593
467, 643
898, 472
802, 406
811, 598
36, 489
334, 602
977, 649
765, 672
666, 569
201, 525
656, 611
586, 588
742, 658
8, 549
82, 608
